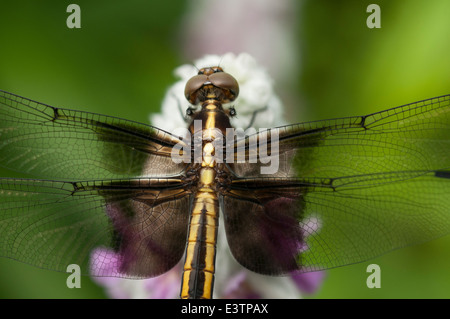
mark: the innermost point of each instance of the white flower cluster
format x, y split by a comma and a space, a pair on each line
256, 94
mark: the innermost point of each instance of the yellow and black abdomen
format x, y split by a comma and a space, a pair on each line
198, 275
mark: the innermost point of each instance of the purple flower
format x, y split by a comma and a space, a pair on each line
232, 280
105, 263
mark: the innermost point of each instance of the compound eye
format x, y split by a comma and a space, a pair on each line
194, 83
225, 81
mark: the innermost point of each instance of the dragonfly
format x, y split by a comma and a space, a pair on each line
296, 198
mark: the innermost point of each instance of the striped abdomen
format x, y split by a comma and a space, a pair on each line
198, 275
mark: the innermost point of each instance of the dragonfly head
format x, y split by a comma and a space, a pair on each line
211, 83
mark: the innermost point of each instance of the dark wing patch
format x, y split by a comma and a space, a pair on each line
45, 141
52, 224
275, 226
410, 137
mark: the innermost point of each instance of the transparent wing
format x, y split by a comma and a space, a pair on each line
44, 141
280, 225
415, 136
343, 190
129, 228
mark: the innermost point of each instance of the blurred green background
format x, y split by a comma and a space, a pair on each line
121, 62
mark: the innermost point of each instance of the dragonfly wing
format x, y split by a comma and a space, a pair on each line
279, 225
52, 224
415, 136
44, 141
